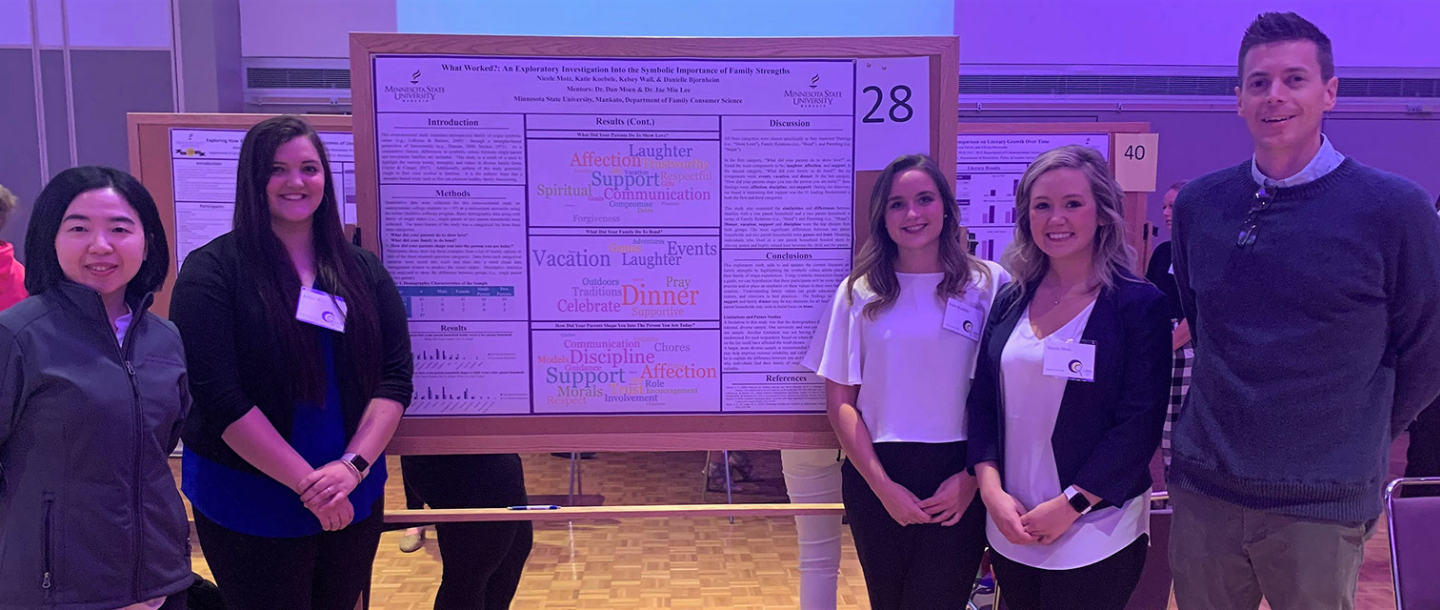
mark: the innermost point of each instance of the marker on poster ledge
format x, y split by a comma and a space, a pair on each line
536, 507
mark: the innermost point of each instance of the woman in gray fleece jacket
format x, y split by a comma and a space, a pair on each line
92, 395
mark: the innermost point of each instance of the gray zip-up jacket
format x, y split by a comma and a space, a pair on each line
89, 515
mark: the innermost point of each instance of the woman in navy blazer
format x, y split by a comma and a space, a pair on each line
1069, 395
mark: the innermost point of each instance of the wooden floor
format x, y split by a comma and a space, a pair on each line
674, 563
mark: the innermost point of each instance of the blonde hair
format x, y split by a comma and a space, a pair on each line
8, 201
1112, 257
876, 260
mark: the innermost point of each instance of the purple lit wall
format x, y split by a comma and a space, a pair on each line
1194, 143
1370, 33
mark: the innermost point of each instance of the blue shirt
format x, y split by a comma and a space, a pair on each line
258, 505
1325, 161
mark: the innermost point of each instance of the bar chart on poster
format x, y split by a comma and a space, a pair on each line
204, 166
626, 236
988, 171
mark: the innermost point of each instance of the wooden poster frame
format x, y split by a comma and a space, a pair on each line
151, 162
504, 434
1135, 232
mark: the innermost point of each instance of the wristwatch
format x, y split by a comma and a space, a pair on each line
358, 462
1077, 500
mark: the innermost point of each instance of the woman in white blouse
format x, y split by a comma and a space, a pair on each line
1070, 395
897, 349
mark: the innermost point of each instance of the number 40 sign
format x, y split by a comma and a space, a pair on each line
1136, 156
892, 110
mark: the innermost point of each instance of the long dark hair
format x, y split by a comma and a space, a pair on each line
876, 260
336, 267
42, 264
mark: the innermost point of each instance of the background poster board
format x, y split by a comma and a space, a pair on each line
188, 163
624, 244
991, 158
203, 174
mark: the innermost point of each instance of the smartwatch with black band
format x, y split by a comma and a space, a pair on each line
1077, 500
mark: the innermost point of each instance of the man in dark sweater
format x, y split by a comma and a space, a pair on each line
1423, 455
1312, 287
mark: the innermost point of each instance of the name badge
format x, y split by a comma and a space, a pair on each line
321, 309
1070, 359
964, 318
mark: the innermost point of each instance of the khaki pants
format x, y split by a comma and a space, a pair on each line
1226, 557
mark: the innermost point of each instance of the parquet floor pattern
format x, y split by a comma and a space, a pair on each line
673, 563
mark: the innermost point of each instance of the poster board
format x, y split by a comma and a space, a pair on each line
991, 157
528, 111
188, 163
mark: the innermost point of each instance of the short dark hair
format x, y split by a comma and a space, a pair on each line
1270, 28
42, 264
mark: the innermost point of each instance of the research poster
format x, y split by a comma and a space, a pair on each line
630, 235
988, 171
203, 169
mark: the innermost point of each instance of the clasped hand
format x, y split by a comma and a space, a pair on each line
946, 507
1043, 524
326, 492
1050, 520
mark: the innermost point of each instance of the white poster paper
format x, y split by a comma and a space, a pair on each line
655, 235
204, 167
988, 172
892, 110
470, 367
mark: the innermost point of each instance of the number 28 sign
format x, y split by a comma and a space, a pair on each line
892, 110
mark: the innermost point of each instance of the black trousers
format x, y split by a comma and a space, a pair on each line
176, 601
1106, 585
482, 561
412, 499
1423, 456
926, 566
326, 571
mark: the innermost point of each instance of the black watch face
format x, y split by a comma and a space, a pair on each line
1079, 503
360, 463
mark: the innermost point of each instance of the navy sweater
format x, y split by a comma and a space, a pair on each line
1314, 346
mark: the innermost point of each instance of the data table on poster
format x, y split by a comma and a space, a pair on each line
204, 165
988, 171
622, 235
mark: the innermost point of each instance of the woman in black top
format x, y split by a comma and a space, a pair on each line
1068, 400
300, 366
1161, 273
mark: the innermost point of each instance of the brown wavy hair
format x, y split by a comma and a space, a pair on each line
876, 260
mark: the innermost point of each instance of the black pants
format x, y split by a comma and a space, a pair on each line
1106, 585
176, 601
412, 499
326, 571
926, 566
482, 561
1423, 456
